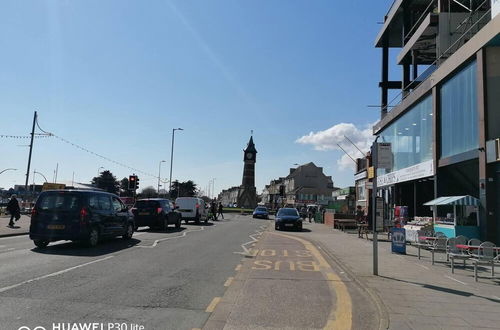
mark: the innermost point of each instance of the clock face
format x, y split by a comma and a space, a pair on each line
249, 155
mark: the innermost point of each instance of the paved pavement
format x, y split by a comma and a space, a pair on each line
22, 226
158, 280
411, 293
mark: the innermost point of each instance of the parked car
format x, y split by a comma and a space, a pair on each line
79, 215
288, 217
192, 208
261, 212
156, 213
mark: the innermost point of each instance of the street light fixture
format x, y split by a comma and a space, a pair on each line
35, 172
172, 156
8, 169
159, 169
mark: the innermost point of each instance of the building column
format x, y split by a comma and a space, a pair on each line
486, 215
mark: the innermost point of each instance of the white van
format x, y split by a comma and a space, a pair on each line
192, 208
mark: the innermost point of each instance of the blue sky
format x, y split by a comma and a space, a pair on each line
117, 76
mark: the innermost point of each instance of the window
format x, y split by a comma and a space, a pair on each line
411, 136
117, 205
104, 202
59, 201
94, 202
459, 113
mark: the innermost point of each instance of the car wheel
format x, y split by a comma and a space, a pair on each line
197, 220
186, 221
178, 223
276, 226
299, 228
93, 238
41, 243
129, 232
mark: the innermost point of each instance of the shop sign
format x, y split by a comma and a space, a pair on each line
53, 186
398, 240
495, 8
369, 185
360, 176
371, 172
418, 171
384, 155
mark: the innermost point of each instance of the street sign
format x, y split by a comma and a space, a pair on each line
53, 186
398, 240
384, 155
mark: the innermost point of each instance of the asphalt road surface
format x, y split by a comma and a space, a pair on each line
157, 280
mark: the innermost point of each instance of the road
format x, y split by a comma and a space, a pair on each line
159, 280
178, 280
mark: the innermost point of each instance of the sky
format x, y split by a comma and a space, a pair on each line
115, 77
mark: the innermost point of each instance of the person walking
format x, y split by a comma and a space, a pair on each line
219, 212
213, 210
14, 210
311, 213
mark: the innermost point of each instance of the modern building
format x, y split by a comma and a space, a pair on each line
444, 127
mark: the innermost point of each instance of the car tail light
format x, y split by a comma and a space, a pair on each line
159, 210
33, 212
83, 215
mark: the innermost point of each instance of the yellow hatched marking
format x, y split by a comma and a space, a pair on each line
238, 268
229, 281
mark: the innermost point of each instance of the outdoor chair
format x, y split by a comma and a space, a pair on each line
439, 246
439, 234
456, 253
485, 256
474, 242
422, 243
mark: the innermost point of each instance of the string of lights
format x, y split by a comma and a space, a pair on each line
95, 154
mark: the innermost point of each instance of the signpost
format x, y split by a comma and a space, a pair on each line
398, 240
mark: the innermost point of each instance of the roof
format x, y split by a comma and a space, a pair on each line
455, 200
251, 146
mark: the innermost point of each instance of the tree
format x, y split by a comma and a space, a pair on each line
124, 188
107, 181
149, 192
183, 189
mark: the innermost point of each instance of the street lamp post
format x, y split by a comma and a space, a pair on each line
98, 170
8, 169
172, 156
35, 172
159, 169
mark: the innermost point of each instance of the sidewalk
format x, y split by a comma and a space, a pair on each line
413, 293
21, 227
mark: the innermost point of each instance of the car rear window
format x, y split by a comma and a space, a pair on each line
146, 204
261, 209
59, 201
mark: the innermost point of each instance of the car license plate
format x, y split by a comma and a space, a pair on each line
288, 224
143, 213
56, 226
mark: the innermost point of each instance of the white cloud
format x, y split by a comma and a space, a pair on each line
330, 138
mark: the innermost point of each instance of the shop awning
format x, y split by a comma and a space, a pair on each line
455, 200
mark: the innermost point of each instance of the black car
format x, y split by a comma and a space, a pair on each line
156, 213
79, 215
288, 218
261, 212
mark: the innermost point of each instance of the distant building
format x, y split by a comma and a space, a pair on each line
307, 184
229, 197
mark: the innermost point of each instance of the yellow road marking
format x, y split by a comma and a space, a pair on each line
341, 317
237, 268
229, 281
212, 305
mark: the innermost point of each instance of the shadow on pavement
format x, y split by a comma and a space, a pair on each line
203, 224
160, 231
304, 230
443, 289
104, 247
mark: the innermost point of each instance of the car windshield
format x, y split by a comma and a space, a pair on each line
59, 201
261, 209
287, 212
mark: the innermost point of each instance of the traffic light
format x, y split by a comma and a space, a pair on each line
136, 182
132, 182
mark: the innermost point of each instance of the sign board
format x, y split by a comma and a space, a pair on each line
53, 186
414, 172
379, 224
369, 185
360, 175
371, 172
384, 155
495, 8
398, 240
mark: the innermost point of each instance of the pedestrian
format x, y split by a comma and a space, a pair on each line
14, 210
311, 213
213, 210
220, 211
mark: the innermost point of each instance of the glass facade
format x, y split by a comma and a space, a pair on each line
459, 132
411, 136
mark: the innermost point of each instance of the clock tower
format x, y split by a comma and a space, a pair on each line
247, 194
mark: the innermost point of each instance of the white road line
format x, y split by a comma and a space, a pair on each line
495, 297
454, 279
12, 237
425, 267
155, 243
246, 252
7, 250
53, 274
